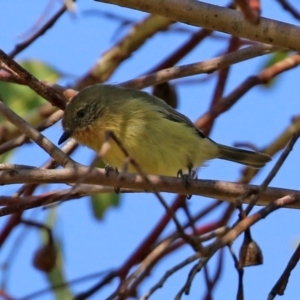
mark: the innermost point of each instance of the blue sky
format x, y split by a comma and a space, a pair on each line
72, 46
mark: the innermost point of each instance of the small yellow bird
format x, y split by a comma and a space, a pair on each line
160, 139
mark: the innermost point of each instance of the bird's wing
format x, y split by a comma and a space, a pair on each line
167, 111
173, 115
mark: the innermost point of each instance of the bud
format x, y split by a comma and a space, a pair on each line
166, 92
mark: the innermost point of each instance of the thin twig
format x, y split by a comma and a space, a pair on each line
40, 32
36, 136
275, 146
228, 238
145, 266
163, 248
262, 78
196, 268
20, 140
246, 223
61, 285
280, 286
290, 9
223, 75
207, 66
40, 226
240, 271
273, 172
183, 50
133, 40
193, 241
169, 273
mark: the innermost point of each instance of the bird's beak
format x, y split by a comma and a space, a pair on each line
67, 134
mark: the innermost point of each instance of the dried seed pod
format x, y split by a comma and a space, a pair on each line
250, 252
44, 258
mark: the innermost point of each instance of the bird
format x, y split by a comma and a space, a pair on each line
160, 139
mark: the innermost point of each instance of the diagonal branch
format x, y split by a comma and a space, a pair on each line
40, 88
207, 66
218, 18
19, 47
35, 135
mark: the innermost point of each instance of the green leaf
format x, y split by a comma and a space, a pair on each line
273, 59
41, 70
4, 157
56, 276
101, 202
23, 100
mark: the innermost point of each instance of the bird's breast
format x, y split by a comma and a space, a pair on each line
159, 145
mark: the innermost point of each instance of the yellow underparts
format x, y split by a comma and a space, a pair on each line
159, 145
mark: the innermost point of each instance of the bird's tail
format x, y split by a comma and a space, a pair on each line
245, 157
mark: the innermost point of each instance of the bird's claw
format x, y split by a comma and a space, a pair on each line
109, 169
187, 179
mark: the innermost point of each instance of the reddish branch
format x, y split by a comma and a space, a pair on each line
288, 7
25, 200
46, 92
250, 10
262, 78
221, 82
182, 51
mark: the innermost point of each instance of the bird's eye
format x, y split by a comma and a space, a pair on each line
80, 113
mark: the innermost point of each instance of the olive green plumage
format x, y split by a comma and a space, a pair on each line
159, 138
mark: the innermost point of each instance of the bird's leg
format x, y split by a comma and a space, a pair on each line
122, 172
109, 169
126, 164
187, 178
180, 173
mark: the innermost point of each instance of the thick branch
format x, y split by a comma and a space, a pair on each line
41, 89
227, 191
219, 18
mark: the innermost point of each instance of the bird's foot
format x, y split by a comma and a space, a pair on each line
187, 179
109, 169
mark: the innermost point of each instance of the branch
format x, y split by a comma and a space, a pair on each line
112, 58
290, 9
19, 47
250, 14
218, 18
40, 88
207, 66
281, 284
246, 223
36, 136
229, 237
21, 139
263, 77
226, 191
274, 171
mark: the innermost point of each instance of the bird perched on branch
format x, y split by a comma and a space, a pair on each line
162, 140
